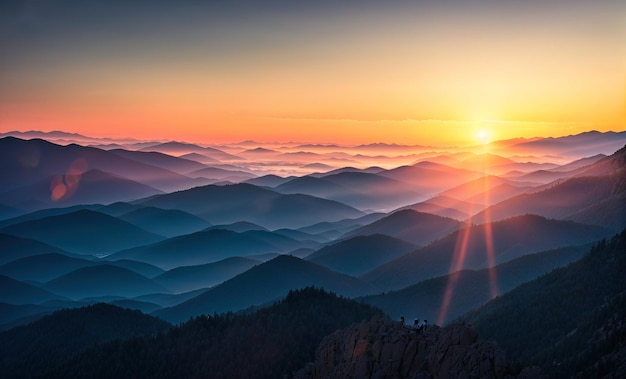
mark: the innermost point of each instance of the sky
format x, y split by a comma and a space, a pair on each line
445, 72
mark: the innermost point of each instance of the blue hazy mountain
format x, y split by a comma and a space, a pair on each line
165, 222
50, 212
12, 248
208, 246
92, 187
17, 292
333, 230
103, 280
84, 232
467, 248
141, 268
43, 267
262, 284
245, 202
189, 278
239, 227
361, 254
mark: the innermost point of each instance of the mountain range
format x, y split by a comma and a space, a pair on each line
180, 230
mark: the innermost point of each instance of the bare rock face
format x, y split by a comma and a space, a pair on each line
386, 349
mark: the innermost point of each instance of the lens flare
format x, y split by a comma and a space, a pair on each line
63, 187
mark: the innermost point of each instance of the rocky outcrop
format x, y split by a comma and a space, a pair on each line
386, 349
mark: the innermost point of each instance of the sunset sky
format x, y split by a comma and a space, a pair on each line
418, 72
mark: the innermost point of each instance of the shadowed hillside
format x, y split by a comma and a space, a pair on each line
270, 343
46, 343
570, 321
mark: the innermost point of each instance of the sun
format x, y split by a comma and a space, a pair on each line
482, 135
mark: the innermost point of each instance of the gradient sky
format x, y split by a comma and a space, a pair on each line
418, 72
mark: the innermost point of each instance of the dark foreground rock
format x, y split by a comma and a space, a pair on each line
386, 349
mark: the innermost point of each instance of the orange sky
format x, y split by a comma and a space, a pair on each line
406, 73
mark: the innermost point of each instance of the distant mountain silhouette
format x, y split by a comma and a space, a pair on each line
445, 206
360, 254
510, 238
471, 288
239, 227
54, 339
245, 202
141, 268
168, 162
333, 230
13, 248
363, 190
411, 226
268, 181
431, 178
199, 158
93, 187
369, 170
603, 182
27, 162
206, 247
222, 174
118, 208
84, 231
103, 280
43, 267
308, 239
486, 190
583, 144
17, 292
262, 284
358, 189
189, 278
165, 222
180, 148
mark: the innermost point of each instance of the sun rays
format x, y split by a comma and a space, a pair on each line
459, 256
